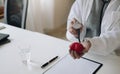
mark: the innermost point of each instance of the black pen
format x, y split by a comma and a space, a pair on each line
78, 31
44, 65
77, 27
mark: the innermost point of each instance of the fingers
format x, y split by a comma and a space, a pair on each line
72, 54
75, 55
87, 45
73, 21
73, 30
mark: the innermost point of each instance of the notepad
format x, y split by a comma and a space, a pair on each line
70, 66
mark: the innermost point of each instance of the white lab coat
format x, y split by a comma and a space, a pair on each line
109, 39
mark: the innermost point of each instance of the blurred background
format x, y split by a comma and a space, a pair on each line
45, 16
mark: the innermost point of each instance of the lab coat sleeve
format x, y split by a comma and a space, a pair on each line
108, 41
75, 12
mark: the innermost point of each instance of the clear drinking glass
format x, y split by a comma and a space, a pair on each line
25, 55
25, 52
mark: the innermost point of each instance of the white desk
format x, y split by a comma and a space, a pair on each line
43, 48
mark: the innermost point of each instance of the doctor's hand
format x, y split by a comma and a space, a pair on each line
78, 54
74, 26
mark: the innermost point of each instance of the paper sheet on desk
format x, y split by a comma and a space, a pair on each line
70, 66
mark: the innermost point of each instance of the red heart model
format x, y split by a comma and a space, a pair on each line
76, 46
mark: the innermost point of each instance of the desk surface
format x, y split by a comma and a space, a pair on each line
43, 47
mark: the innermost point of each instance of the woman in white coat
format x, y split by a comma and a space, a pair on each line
99, 22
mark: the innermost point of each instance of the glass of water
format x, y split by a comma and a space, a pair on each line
25, 52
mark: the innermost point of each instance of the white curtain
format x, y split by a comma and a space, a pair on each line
47, 14
34, 16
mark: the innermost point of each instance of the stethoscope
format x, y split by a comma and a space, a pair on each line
105, 4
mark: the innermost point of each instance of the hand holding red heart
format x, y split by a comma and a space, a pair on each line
77, 49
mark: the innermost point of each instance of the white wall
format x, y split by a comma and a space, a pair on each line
47, 14
1, 2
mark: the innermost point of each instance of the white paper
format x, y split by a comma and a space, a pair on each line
70, 66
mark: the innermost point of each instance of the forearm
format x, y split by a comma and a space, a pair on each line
106, 43
75, 12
